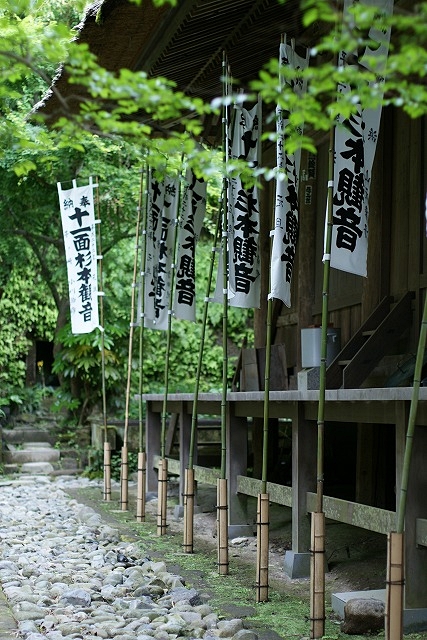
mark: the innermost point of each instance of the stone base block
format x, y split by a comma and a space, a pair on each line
297, 565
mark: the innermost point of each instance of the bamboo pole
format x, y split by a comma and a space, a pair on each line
317, 594
394, 586
124, 501
317, 614
395, 555
222, 526
161, 530
263, 526
222, 505
188, 510
107, 448
142, 458
141, 486
188, 546
162, 497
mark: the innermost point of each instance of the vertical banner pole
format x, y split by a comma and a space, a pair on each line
107, 448
162, 478
189, 485
317, 615
222, 517
142, 458
124, 501
395, 557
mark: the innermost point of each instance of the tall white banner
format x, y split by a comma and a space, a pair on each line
161, 291
78, 225
243, 213
155, 200
355, 145
190, 225
286, 215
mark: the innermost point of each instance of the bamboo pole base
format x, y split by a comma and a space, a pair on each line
141, 483
107, 472
263, 526
124, 499
222, 527
162, 497
394, 586
188, 511
317, 576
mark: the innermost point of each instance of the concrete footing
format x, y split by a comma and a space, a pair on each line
297, 565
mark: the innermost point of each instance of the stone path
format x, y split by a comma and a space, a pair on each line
68, 576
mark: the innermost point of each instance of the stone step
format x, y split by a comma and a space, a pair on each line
19, 435
37, 468
21, 456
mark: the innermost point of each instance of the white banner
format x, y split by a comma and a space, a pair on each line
355, 145
166, 232
243, 214
286, 215
78, 225
155, 196
190, 225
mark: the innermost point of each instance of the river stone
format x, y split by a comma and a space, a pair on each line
76, 597
363, 615
182, 593
228, 628
245, 634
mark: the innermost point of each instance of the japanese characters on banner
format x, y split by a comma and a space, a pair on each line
78, 224
162, 216
189, 227
243, 214
355, 145
286, 216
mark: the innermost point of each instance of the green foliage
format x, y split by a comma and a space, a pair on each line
26, 313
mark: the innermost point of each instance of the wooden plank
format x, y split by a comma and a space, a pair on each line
279, 494
278, 368
358, 515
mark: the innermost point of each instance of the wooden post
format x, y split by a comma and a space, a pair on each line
124, 500
188, 496
141, 482
107, 471
317, 592
263, 523
222, 526
162, 497
394, 587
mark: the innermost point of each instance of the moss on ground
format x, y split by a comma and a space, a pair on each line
285, 614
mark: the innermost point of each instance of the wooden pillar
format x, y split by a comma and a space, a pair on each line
304, 455
237, 464
184, 444
152, 440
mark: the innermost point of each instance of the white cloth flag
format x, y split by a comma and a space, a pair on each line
155, 196
286, 215
160, 289
190, 225
355, 146
78, 225
243, 214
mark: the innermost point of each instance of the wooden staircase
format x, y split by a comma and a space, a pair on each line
374, 340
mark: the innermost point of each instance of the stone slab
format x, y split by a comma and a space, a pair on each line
21, 456
37, 468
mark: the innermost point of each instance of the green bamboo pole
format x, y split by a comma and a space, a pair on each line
142, 298
396, 540
107, 451
161, 516
222, 490
124, 500
189, 490
411, 422
317, 600
142, 461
